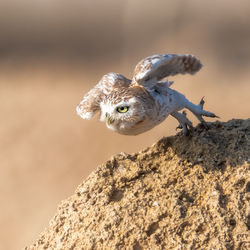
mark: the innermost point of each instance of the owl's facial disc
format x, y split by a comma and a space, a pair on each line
121, 116
121, 109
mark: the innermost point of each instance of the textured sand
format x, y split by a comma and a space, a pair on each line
181, 193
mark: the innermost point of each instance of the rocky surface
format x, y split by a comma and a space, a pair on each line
181, 193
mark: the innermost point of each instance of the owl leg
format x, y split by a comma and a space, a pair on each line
184, 123
198, 110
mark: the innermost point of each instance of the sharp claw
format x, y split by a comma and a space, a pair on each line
170, 83
202, 101
179, 127
185, 131
209, 114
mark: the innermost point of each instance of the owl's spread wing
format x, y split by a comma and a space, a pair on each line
158, 67
90, 103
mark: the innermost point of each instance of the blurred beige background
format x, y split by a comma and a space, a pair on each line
52, 52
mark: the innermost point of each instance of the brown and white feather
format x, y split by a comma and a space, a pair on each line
157, 67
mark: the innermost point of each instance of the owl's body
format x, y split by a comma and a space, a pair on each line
134, 106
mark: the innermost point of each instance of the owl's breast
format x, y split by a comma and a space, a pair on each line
138, 128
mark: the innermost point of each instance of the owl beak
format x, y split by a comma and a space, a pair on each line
109, 120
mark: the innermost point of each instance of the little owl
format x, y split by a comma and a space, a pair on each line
131, 107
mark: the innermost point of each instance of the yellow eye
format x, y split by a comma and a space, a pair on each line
122, 109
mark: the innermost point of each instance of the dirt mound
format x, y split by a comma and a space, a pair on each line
181, 193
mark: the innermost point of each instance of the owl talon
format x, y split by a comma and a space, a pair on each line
184, 123
199, 112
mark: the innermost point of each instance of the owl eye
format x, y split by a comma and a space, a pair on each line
122, 109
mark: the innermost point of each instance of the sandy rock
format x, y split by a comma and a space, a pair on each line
181, 193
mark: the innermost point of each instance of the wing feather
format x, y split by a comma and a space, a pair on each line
158, 67
90, 103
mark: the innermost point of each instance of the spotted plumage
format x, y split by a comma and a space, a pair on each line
134, 106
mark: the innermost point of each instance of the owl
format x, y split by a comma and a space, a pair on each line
131, 107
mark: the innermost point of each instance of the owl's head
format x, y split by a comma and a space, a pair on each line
122, 113
121, 106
